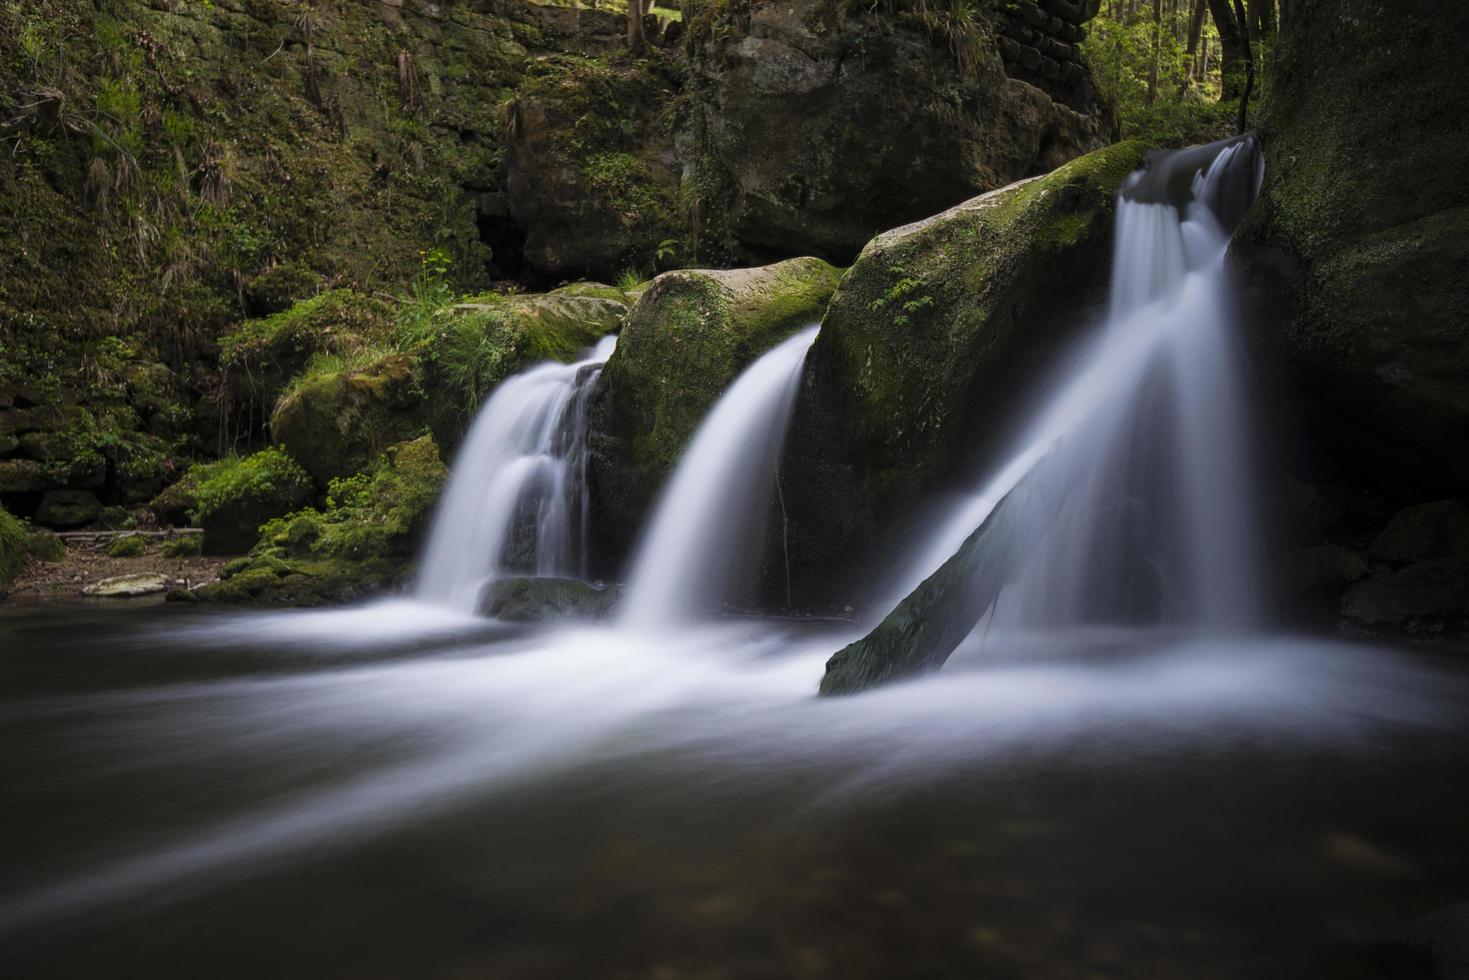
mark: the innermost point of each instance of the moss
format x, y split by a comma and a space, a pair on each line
183, 546
935, 334
264, 355
687, 338
362, 542
127, 546
13, 547
234, 496
46, 545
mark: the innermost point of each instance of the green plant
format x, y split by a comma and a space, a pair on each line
127, 546
182, 546
630, 280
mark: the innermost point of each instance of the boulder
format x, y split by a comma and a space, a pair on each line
1425, 531
234, 497
534, 600
335, 424
687, 338
1426, 598
1354, 256
809, 126
128, 586
13, 548
362, 544
68, 508
46, 545
933, 337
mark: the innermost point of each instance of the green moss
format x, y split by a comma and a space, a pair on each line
685, 341
362, 542
46, 545
183, 546
234, 496
13, 548
127, 546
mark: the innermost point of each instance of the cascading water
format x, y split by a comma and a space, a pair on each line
1132, 488
517, 500
709, 519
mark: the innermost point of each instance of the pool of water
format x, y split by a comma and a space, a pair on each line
393, 792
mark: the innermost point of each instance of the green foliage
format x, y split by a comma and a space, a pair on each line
183, 546
127, 546
13, 547
266, 476
1182, 109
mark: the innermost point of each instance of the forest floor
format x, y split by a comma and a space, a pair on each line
86, 564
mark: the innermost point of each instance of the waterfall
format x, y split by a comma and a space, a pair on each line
709, 521
517, 497
1143, 435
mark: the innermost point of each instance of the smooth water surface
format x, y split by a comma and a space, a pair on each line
191, 793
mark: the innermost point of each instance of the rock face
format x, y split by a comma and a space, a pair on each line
810, 125
1355, 255
934, 332
685, 341
1420, 578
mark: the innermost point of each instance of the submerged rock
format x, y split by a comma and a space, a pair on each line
1354, 256
687, 338
534, 600
128, 586
936, 330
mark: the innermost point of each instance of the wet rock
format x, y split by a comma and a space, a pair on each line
534, 600
687, 338
68, 508
1426, 598
938, 329
128, 586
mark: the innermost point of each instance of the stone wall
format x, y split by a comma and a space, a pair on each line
1040, 44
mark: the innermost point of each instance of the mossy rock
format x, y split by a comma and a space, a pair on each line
183, 546
46, 545
68, 508
336, 423
127, 546
235, 496
687, 338
535, 600
262, 356
935, 336
14, 545
1434, 530
478, 343
1353, 259
362, 543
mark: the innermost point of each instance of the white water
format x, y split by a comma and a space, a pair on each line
522, 468
710, 519
1146, 432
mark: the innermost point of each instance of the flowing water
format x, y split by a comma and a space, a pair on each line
405, 790
522, 468
1144, 434
709, 523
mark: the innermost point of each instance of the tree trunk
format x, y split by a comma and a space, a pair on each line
1234, 45
636, 42
1195, 34
1157, 47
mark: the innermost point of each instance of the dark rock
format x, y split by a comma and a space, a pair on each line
1354, 257
1426, 531
68, 508
534, 600
23, 476
809, 127
1427, 598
